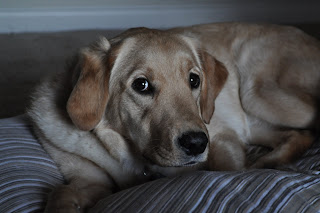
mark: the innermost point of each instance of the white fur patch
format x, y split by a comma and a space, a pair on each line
125, 49
192, 44
104, 43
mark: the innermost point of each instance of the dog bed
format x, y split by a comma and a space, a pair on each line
28, 174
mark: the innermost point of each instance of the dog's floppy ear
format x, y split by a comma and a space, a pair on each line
88, 98
215, 75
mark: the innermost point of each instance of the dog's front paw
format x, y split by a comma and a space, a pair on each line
63, 199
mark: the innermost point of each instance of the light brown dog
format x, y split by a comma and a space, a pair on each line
152, 102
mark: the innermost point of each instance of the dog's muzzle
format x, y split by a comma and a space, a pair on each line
193, 143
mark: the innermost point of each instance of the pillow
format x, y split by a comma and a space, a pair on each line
27, 173
296, 189
251, 191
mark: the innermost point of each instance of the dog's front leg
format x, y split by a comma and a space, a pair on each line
86, 183
76, 197
226, 152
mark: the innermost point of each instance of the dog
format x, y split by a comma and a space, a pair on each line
151, 103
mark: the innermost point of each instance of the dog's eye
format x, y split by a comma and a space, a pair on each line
194, 81
141, 85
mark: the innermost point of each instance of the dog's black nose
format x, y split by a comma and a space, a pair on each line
193, 143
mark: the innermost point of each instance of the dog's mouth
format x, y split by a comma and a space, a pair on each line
191, 163
170, 164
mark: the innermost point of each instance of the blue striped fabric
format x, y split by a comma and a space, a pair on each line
252, 191
297, 189
27, 173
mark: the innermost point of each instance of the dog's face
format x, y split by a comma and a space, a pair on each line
155, 88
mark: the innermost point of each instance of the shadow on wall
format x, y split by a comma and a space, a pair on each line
26, 58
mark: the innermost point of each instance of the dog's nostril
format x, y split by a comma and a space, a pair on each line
193, 143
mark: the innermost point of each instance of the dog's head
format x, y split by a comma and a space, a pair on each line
155, 88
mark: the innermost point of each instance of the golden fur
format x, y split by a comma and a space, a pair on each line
259, 84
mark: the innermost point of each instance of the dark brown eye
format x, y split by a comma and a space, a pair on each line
194, 81
142, 86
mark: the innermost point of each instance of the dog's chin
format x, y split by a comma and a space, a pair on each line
174, 163
190, 163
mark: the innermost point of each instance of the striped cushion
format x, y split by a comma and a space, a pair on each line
295, 190
27, 174
253, 191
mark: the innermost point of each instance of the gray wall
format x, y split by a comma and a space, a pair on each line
97, 3
62, 15
25, 58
